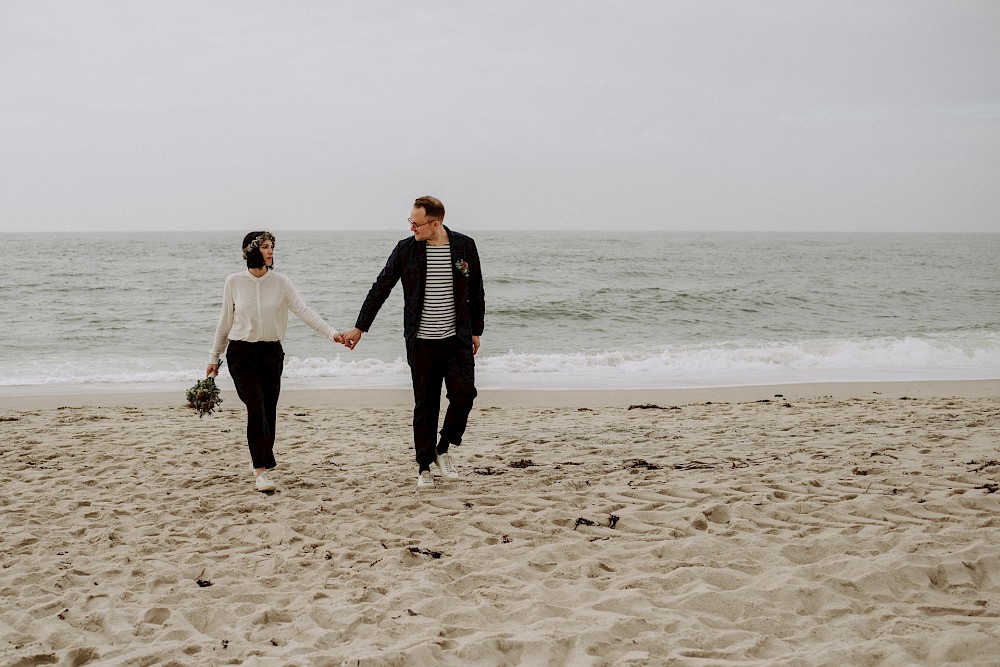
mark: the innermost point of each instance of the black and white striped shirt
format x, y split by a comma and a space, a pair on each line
438, 317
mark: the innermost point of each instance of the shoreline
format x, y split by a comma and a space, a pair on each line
41, 398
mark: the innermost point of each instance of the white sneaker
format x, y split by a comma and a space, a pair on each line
425, 478
445, 465
264, 483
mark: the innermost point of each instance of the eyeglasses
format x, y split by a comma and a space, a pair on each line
418, 225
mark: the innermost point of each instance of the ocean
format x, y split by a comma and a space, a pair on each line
565, 310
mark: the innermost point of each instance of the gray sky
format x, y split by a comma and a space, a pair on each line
525, 114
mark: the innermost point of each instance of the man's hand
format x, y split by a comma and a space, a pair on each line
351, 337
475, 345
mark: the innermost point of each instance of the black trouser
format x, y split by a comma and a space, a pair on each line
256, 372
431, 362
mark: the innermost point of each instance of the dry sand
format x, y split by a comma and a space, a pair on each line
830, 525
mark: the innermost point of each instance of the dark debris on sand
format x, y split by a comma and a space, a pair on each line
425, 552
631, 464
652, 406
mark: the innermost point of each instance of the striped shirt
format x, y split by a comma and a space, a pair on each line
438, 317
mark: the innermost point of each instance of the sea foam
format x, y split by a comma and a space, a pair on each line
734, 363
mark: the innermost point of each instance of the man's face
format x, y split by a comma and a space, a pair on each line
421, 226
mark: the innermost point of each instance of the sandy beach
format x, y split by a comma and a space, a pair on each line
854, 524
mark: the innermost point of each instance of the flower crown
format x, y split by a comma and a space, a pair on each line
266, 236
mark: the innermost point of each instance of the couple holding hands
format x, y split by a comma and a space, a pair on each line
443, 318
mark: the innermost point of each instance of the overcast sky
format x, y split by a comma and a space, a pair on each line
524, 114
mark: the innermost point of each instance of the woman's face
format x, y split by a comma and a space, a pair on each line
267, 250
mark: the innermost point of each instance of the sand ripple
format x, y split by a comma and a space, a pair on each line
824, 532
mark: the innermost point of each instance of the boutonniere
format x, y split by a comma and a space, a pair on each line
463, 267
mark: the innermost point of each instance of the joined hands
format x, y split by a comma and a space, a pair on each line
349, 338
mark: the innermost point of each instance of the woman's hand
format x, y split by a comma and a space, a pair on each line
212, 370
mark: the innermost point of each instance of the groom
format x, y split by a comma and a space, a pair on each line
443, 313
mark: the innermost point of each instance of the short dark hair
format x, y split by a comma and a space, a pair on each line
253, 256
432, 207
